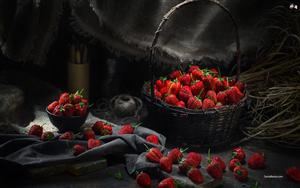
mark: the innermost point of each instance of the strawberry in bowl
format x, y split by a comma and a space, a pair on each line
69, 112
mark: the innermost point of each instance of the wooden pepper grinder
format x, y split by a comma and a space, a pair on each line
79, 70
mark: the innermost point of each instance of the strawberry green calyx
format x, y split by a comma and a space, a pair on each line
208, 156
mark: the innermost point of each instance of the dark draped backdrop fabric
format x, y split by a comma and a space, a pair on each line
27, 28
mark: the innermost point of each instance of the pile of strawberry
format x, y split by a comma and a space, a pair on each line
191, 163
69, 104
198, 89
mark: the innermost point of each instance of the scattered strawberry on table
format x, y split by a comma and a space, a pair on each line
238, 153
198, 89
35, 130
78, 149
176, 155
240, 173
293, 173
256, 161
214, 167
92, 143
166, 164
167, 183
154, 155
69, 104
102, 128
46, 136
128, 128
143, 180
195, 175
152, 139
67, 136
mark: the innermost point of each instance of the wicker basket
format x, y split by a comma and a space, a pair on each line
195, 127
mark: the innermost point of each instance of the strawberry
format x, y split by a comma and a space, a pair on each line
206, 79
64, 98
35, 130
186, 164
180, 104
225, 81
185, 79
76, 97
212, 95
52, 106
152, 139
127, 129
68, 110
81, 109
256, 161
196, 157
98, 126
216, 84
160, 83
88, 133
167, 183
175, 74
214, 170
197, 88
240, 173
143, 180
157, 94
222, 97
240, 86
58, 110
171, 99
234, 95
239, 153
47, 136
175, 155
293, 173
194, 103
173, 87
185, 93
163, 91
195, 175
92, 143
78, 149
107, 130
84, 101
66, 136
154, 155
165, 164
207, 103
214, 71
234, 163
220, 161
193, 67
197, 74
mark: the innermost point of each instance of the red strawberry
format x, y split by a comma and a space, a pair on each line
220, 161
97, 127
165, 164
180, 104
68, 110
193, 67
175, 74
154, 155
47, 136
171, 99
214, 71
78, 149
186, 165
107, 130
88, 134
84, 101
234, 95
35, 130
197, 88
152, 139
92, 143
234, 163
226, 82
76, 97
194, 103
212, 95
214, 170
143, 180
185, 79
160, 83
58, 110
157, 94
207, 103
64, 98
256, 161
240, 173
196, 157
206, 79
67, 136
217, 84
185, 93
197, 74
173, 87
240, 85
52, 106
239, 153
293, 173
176, 155
163, 91
222, 98
81, 109
195, 175
127, 129
167, 183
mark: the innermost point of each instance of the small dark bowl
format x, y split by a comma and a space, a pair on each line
64, 123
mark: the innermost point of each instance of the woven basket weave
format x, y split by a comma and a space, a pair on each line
201, 127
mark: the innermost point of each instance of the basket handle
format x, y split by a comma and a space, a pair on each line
168, 15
